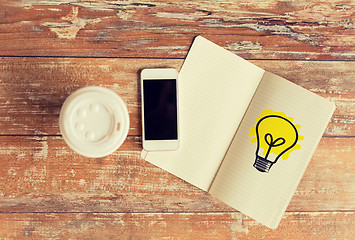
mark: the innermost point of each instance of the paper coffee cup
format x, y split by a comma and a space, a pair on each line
94, 121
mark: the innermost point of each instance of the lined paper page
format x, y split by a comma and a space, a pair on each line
215, 89
265, 196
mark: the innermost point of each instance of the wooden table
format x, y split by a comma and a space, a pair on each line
51, 48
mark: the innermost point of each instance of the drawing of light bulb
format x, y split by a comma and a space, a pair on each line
276, 136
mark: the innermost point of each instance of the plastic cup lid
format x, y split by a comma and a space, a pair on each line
94, 121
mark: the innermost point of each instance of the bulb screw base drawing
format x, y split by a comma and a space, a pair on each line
262, 164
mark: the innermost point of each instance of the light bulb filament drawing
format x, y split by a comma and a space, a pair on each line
271, 143
276, 137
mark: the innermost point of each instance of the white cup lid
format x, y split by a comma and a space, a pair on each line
94, 121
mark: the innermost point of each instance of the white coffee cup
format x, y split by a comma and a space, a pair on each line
94, 121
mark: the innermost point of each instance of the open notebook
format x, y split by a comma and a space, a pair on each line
247, 135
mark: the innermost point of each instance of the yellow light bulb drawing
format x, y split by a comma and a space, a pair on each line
276, 136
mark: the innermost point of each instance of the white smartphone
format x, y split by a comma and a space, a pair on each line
160, 109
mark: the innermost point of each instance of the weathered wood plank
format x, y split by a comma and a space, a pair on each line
122, 196
33, 89
269, 29
296, 225
41, 174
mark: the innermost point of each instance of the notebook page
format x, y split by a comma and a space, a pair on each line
264, 196
215, 89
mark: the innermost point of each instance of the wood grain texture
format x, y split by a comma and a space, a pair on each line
215, 226
305, 29
33, 89
51, 48
41, 174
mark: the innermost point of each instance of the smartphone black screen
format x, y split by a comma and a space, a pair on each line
160, 109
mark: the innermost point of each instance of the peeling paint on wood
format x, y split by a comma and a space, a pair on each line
71, 25
283, 29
